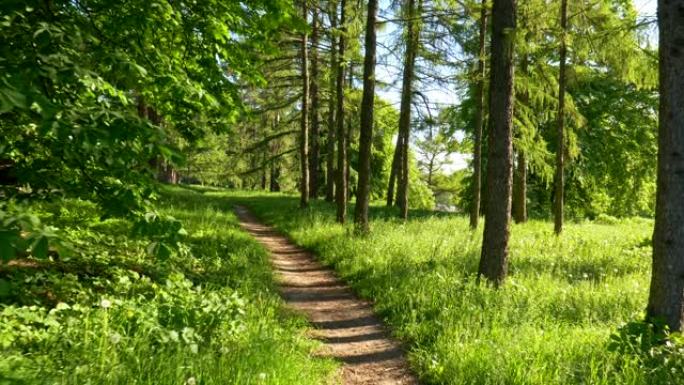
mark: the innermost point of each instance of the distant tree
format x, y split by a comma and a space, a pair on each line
330, 141
412, 41
342, 171
666, 299
560, 149
494, 259
479, 117
315, 151
304, 133
366, 129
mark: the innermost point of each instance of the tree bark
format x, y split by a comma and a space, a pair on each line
350, 84
304, 135
341, 185
412, 40
366, 127
314, 156
494, 258
396, 159
479, 119
520, 189
330, 156
560, 151
666, 298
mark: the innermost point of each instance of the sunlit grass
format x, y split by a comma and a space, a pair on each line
549, 324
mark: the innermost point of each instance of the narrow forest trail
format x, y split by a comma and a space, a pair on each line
346, 324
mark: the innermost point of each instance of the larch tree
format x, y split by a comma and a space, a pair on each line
330, 142
666, 298
342, 177
479, 117
413, 10
315, 153
366, 129
559, 183
494, 258
304, 133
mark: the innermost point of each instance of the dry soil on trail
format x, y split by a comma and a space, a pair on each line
346, 324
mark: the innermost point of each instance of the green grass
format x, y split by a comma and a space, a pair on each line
109, 313
549, 324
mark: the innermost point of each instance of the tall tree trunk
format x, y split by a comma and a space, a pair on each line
479, 119
520, 189
666, 298
560, 152
412, 40
315, 154
330, 156
304, 135
350, 84
494, 258
366, 127
520, 176
341, 185
396, 159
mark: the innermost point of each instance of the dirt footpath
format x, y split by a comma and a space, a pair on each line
346, 324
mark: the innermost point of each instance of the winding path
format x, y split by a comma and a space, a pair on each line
346, 324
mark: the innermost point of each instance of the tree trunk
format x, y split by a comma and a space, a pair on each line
341, 185
396, 163
304, 135
494, 258
366, 127
666, 298
560, 151
479, 119
412, 40
330, 156
520, 176
520, 189
315, 154
350, 84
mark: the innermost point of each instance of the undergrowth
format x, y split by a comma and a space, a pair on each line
110, 311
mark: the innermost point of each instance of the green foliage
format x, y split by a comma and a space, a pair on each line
112, 314
94, 93
22, 232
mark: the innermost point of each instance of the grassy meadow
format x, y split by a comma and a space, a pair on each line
551, 323
109, 313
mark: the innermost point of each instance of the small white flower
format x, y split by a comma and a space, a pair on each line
191, 381
115, 338
262, 376
173, 335
105, 304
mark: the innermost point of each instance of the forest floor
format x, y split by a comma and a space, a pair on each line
346, 324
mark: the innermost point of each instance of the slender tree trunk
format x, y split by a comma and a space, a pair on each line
494, 258
560, 152
520, 176
479, 119
341, 185
315, 154
304, 135
412, 40
520, 189
330, 163
396, 163
350, 84
666, 299
366, 127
